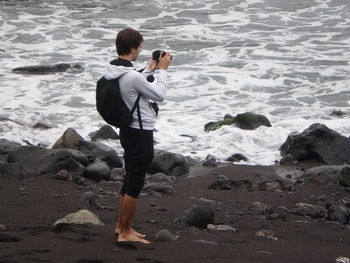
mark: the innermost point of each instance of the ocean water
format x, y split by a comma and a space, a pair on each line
287, 60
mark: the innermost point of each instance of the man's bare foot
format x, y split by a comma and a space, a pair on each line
133, 231
132, 237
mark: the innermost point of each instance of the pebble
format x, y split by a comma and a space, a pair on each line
213, 227
2, 227
342, 260
206, 242
165, 236
266, 234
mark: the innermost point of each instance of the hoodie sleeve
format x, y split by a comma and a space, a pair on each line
154, 91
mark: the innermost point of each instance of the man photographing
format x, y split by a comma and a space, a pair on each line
137, 139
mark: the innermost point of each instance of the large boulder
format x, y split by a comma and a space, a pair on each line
98, 171
38, 160
246, 121
13, 170
99, 150
32, 158
61, 159
49, 69
320, 143
105, 132
7, 146
68, 139
323, 174
171, 164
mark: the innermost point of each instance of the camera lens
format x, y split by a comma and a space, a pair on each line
156, 54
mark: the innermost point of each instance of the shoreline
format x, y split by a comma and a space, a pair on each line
29, 208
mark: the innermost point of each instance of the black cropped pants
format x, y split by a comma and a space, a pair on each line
138, 155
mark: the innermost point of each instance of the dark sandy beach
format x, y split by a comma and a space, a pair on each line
29, 208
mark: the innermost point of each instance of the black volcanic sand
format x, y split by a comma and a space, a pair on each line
29, 207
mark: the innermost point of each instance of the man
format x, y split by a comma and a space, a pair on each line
137, 140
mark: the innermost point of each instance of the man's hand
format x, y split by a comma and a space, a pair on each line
165, 61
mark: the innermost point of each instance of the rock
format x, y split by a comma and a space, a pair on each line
338, 211
338, 113
7, 146
61, 159
68, 139
197, 216
14, 170
91, 198
62, 175
98, 171
81, 217
247, 121
33, 159
105, 132
169, 163
229, 184
160, 187
78, 180
212, 227
320, 143
4, 237
165, 236
210, 161
101, 151
313, 211
2, 227
117, 172
261, 208
276, 185
79, 156
42, 126
161, 177
49, 69
344, 177
237, 157
342, 260
268, 234
251, 121
323, 174
288, 160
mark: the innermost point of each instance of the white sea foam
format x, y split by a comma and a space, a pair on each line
286, 60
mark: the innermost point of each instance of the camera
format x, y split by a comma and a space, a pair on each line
157, 53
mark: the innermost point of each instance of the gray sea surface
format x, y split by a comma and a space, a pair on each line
287, 60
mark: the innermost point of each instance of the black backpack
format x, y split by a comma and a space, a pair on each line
109, 102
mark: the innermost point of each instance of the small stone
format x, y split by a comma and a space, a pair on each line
22, 189
261, 208
165, 236
80, 217
268, 234
213, 227
2, 227
342, 260
206, 242
152, 221
62, 175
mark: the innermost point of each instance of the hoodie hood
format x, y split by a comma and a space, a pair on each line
113, 72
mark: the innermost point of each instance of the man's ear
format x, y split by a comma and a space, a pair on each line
133, 49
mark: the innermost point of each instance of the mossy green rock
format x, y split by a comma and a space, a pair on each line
246, 121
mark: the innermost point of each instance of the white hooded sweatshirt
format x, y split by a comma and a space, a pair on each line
132, 83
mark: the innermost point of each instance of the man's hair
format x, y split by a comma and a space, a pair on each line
127, 39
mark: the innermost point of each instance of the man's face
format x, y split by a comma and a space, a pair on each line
136, 52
